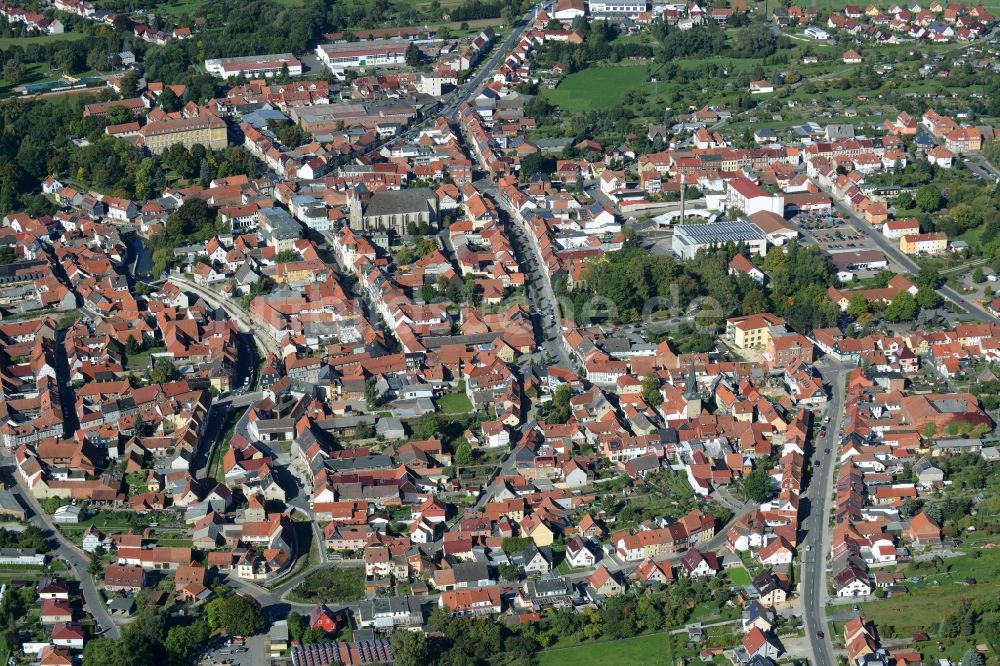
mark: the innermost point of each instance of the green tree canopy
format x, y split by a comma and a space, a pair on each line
235, 614
757, 485
902, 308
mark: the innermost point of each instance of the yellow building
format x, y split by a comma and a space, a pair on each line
752, 331
540, 533
208, 131
932, 243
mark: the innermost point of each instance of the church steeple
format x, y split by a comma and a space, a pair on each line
691, 391
691, 395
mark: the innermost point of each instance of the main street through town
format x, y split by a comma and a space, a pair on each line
816, 509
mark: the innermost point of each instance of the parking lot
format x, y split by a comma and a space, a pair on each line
218, 653
834, 235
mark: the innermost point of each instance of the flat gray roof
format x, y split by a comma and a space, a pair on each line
718, 232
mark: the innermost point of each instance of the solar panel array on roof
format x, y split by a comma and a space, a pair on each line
358, 653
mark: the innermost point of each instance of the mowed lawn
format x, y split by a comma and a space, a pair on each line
639, 651
739, 576
455, 403
7, 42
596, 87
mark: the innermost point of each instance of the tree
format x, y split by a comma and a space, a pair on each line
909, 508
903, 201
534, 163
902, 308
756, 41
426, 426
13, 71
404, 257
978, 275
428, 293
927, 276
132, 346
410, 648
858, 305
413, 55
371, 392
757, 485
129, 84
286, 256
512, 545
755, 302
235, 614
162, 258
141, 644
425, 245
169, 101
929, 198
509, 572
183, 642
928, 298
463, 454
102, 652
194, 219
651, 390
559, 412
163, 371
972, 657
32, 537
313, 635
774, 260
297, 625
965, 215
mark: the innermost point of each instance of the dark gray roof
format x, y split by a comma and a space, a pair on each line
394, 202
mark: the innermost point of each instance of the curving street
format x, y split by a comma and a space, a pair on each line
63, 549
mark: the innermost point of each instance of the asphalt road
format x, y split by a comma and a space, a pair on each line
265, 343
892, 251
499, 51
75, 558
815, 543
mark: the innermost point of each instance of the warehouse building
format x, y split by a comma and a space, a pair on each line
689, 238
376, 53
254, 67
